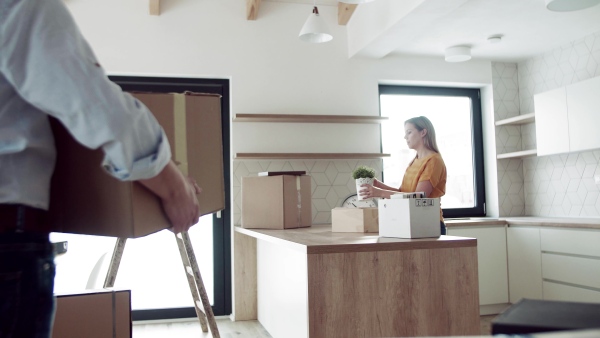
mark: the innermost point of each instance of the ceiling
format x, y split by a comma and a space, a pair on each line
527, 28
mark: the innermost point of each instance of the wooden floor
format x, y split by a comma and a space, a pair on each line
228, 329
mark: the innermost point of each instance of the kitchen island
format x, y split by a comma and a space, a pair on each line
311, 282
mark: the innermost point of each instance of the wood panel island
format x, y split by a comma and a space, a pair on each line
311, 282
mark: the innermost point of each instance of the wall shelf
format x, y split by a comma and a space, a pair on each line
313, 156
295, 118
521, 119
518, 154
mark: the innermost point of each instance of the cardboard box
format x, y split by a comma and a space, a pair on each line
355, 220
276, 202
86, 200
409, 217
93, 314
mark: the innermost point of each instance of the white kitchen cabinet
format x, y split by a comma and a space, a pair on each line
567, 118
570, 264
551, 123
567, 293
583, 101
492, 265
524, 263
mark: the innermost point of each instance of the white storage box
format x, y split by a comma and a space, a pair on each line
409, 217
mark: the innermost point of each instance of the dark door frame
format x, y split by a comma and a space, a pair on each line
222, 225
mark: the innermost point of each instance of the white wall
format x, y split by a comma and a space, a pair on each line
271, 72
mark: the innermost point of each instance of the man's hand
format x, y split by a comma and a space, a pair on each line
178, 196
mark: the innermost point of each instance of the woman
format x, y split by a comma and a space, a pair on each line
427, 171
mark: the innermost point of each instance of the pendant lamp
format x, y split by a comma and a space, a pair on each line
315, 29
570, 5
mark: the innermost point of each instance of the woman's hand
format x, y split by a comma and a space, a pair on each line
368, 191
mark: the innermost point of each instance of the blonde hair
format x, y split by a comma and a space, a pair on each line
421, 122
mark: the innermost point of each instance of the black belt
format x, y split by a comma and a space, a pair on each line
16, 218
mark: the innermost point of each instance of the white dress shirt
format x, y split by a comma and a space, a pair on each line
48, 68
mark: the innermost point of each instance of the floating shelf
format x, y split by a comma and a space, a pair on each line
521, 119
314, 156
290, 118
518, 154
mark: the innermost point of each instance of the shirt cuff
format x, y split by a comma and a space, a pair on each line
145, 167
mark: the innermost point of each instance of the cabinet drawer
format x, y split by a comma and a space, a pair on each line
571, 241
573, 270
561, 292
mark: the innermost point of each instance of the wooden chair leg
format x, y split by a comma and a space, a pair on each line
192, 283
111, 275
184, 236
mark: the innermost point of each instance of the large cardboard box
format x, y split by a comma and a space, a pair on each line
355, 220
93, 314
409, 217
86, 200
276, 202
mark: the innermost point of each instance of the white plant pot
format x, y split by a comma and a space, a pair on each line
361, 181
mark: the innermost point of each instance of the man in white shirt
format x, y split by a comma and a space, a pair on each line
48, 69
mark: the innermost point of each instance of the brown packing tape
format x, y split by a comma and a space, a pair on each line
299, 213
180, 132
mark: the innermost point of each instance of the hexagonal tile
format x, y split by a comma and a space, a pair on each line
331, 172
320, 204
591, 198
276, 166
322, 218
333, 199
321, 191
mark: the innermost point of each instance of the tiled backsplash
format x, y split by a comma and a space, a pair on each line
511, 196
332, 181
558, 185
562, 185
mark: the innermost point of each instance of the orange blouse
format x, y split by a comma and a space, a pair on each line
430, 168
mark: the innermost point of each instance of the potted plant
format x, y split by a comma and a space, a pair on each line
363, 175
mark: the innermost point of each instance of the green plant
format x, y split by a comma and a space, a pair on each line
363, 172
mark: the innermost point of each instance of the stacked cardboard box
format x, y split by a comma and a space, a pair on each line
276, 202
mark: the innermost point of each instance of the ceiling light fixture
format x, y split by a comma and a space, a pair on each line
458, 54
314, 29
494, 39
570, 5
355, 2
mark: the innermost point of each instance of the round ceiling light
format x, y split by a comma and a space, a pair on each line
494, 39
458, 54
570, 5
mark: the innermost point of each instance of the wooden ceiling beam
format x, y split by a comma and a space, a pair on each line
154, 7
252, 9
345, 12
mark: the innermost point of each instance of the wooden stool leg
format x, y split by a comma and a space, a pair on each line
111, 275
194, 265
192, 283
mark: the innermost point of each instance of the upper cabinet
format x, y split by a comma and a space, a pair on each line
551, 124
583, 99
567, 118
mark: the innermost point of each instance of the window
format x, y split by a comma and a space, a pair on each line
456, 115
